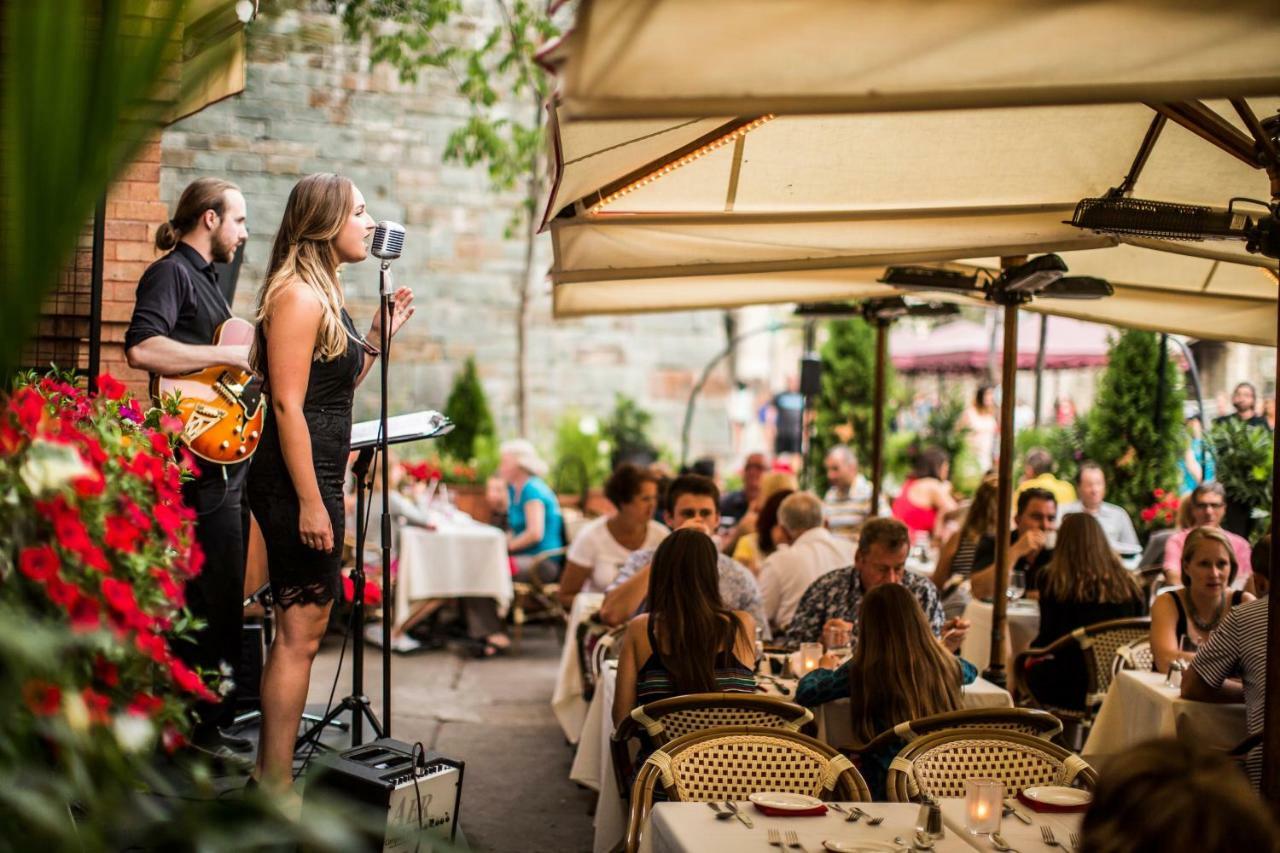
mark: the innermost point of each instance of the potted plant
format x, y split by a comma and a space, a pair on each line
1243, 455
627, 431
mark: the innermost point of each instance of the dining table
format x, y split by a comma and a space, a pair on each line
690, 827
567, 700
455, 557
1024, 624
1142, 705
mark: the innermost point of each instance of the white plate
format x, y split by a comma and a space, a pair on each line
785, 801
861, 846
1058, 795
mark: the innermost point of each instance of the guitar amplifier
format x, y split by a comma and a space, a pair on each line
419, 803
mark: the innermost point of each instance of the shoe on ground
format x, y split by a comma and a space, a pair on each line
235, 743
373, 634
403, 644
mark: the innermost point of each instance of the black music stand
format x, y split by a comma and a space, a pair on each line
366, 439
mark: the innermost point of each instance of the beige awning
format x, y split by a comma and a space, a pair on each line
800, 208
634, 58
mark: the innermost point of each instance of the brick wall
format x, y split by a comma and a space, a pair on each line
134, 211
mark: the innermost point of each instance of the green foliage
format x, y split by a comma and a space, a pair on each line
79, 80
1122, 434
1065, 444
1243, 456
468, 408
489, 71
627, 430
845, 407
579, 462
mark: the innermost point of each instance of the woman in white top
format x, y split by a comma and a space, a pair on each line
601, 548
980, 421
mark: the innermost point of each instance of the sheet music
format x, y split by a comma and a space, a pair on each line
409, 427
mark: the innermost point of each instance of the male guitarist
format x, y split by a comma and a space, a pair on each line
179, 308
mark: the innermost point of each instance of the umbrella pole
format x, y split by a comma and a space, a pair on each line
877, 423
1040, 356
1004, 492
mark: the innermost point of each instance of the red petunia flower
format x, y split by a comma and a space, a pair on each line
122, 534
10, 438
152, 645
85, 615
93, 557
91, 486
186, 678
105, 672
30, 408
169, 519
145, 705
172, 739
172, 589
99, 706
119, 596
71, 532
40, 563
159, 443
110, 387
44, 699
61, 593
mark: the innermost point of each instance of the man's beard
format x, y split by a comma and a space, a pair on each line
223, 252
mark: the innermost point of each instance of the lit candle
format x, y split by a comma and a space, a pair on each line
984, 799
810, 656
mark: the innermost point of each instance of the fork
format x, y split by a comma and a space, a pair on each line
793, 840
775, 838
1075, 842
1046, 834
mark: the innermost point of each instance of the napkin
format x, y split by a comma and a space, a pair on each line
816, 811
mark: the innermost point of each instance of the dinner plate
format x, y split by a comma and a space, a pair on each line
1057, 795
860, 846
784, 801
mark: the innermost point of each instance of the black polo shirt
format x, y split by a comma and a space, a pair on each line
178, 298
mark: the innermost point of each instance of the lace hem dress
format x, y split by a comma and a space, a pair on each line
300, 574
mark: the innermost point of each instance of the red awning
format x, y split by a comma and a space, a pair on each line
962, 346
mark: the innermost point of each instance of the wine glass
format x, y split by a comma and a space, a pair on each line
1017, 585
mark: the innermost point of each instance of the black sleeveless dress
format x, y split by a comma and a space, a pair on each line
300, 574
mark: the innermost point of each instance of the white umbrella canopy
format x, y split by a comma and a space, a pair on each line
631, 58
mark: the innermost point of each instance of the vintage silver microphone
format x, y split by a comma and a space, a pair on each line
388, 243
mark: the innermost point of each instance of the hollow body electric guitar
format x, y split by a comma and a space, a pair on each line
221, 406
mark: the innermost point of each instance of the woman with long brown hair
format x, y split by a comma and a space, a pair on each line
972, 546
688, 642
312, 358
899, 672
1085, 583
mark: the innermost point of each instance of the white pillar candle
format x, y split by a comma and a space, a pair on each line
983, 805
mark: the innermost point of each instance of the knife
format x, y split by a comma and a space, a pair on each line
746, 821
1010, 810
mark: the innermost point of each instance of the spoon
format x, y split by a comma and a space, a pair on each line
725, 815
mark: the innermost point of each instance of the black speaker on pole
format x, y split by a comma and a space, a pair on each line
810, 375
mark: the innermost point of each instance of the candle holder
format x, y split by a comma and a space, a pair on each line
983, 805
810, 657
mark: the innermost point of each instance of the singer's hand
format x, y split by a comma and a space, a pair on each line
401, 310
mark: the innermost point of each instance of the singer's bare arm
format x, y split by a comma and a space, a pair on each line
401, 310
292, 330
165, 356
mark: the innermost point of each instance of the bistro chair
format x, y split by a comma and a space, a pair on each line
937, 765
1136, 655
588, 634
539, 597
733, 763
1098, 644
1029, 721
657, 723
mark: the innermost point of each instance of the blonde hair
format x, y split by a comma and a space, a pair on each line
1085, 568
899, 670
318, 208
1196, 538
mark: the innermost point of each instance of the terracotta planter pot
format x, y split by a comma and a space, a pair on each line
470, 498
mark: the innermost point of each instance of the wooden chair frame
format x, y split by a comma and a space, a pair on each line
903, 786
646, 721
841, 781
1030, 721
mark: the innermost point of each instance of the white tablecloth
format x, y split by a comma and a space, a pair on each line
1139, 707
1024, 624
593, 763
462, 558
692, 828
567, 702
1016, 834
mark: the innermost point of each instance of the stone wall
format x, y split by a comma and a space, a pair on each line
312, 103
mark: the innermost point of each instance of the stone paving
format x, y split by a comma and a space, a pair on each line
496, 716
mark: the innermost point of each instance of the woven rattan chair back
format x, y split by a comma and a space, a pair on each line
587, 634
733, 763
667, 719
1030, 721
1099, 642
937, 765
1136, 655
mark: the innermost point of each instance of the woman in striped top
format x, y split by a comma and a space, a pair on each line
972, 547
688, 642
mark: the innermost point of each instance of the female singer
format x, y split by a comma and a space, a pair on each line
312, 358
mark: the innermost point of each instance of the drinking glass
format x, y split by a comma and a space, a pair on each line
1017, 585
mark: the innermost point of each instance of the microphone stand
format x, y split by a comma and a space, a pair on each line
388, 584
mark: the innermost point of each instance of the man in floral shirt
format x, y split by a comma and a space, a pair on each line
836, 597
